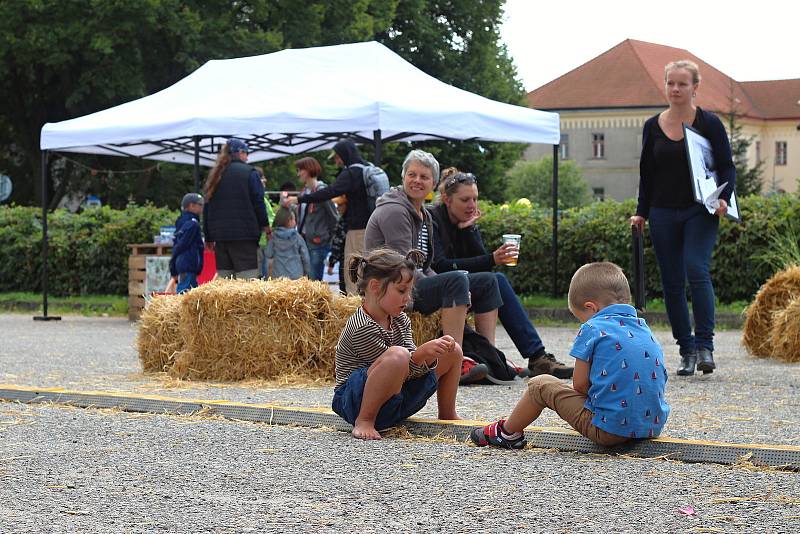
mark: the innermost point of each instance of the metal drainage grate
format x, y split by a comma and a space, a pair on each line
787, 457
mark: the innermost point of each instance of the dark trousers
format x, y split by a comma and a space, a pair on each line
514, 318
683, 240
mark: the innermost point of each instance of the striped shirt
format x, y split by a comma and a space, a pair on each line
363, 340
422, 242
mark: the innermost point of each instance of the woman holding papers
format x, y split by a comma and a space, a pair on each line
682, 230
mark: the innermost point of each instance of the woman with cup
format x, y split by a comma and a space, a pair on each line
402, 222
458, 245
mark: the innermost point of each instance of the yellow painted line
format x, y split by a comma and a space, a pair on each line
300, 409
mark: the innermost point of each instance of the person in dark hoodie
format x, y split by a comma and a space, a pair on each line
350, 183
402, 222
234, 214
187, 248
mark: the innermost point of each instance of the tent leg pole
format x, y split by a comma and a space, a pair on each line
196, 164
376, 137
555, 221
44, 316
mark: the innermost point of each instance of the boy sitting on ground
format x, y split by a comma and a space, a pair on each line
618, 384
187, 248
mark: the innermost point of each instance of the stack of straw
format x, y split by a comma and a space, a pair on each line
772, 321
234, 330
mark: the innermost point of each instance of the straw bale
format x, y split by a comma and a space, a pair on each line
784, 337
425, 327
772, 297
158, 338
237, 329
234, 330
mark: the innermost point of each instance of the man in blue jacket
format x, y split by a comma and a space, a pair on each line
187, 249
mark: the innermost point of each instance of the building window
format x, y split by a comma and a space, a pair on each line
758, 151
598, 146
563, 152
599, 193
780, 153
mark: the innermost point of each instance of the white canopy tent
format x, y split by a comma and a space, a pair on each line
291, 102
296, 101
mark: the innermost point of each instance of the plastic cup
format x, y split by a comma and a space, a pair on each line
514, 240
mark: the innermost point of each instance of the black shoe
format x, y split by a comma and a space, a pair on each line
688, 362
705, 361
546, 364
472, 372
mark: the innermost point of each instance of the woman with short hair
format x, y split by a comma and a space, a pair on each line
402, 222
316, 221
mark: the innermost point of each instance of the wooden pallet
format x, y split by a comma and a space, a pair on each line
137, 265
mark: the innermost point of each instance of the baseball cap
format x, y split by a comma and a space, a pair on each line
237, 145
191, 198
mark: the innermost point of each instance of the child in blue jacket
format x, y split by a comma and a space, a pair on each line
187, 249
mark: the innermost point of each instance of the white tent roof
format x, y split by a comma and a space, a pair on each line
296, 101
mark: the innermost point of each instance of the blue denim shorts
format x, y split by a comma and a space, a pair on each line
411, 399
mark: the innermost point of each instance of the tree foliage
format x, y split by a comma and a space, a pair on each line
61, 59
534, 180
749, 180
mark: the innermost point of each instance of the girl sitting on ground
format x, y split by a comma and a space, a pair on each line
381, 376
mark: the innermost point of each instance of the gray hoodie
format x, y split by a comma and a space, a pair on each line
396, 224
289, 254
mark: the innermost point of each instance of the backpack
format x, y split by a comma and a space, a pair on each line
376, 182
479, 349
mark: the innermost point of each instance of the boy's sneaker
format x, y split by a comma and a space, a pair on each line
490, 435
547, 364
472, 371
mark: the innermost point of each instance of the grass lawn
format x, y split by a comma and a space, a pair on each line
654, 305
117, 306
88, 305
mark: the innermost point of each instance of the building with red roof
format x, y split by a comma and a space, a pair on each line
604, 103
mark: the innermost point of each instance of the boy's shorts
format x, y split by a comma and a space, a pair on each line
411, 399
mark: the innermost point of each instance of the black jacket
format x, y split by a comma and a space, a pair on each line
349, 182
187, 248
456, 248
712, 129
236, 211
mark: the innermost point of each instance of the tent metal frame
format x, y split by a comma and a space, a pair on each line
259, 143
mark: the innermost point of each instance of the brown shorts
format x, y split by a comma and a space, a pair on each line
550, 392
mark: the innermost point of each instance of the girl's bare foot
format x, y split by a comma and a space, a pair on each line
365, 430
450, 417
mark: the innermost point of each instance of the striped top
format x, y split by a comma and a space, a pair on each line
363, 340
422, 242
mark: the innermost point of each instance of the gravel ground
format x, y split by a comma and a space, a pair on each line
70, 470
745, 401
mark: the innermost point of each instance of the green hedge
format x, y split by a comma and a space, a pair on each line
600, 232
88, 251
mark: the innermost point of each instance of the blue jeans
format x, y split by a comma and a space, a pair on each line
317, 255
514, 318
411, 399
186, 281
683, 240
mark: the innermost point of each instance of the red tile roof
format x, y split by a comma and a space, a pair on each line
631, 74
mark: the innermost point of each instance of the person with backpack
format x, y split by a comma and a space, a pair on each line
350, 183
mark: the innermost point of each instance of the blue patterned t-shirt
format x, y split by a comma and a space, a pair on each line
627, 373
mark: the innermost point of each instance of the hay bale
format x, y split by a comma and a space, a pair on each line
774, 296
784, 337
158, 339
425, 327
236, 329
